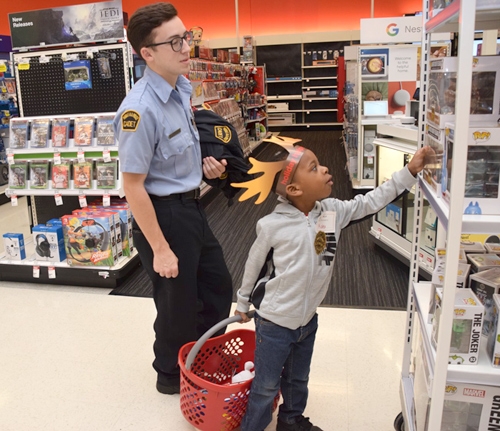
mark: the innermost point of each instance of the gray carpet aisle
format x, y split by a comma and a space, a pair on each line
364, 275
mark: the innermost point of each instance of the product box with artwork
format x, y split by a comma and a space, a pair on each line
492, 248
39, 175
18, 137
14, 246
486, 284
483, 262
105, 132
18, 174
482, 194
434, 138
84, 131
60, 132
39, 133
493, 343
485, 91
77, 75
49, 243
466, 329
469, 246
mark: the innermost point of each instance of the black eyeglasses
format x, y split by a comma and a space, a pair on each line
177, 41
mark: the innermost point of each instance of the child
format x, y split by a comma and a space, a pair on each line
287, 274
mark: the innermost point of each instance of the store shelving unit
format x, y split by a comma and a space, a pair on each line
464, 17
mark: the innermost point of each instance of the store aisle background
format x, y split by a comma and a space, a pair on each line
364, 275
77, 359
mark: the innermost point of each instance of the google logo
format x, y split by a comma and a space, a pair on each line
392, 30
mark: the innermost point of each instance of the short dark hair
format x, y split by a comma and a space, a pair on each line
140, 29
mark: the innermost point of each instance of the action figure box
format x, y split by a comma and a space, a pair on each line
83, 133
13, 244
40, 133
486, 284
466, 329
82, 175
493, 343
39, 175
105, 134
469, 246
18, 175
482, 173
61, 176
492, 248
18, 136
49, 243
432, 172
88, 240
60, 132
485, 91
483, 262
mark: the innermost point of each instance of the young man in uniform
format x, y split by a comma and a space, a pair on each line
161, 165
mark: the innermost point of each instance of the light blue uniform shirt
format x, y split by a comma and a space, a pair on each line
157, 136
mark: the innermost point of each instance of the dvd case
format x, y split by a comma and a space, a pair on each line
84, 131
60, 176
105, 132
106, 175
39, 175
18, 133
18, 175
82, 175
60, 132
39, 133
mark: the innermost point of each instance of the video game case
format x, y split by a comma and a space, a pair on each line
39, 175
84, 131
105, 131
18, 175
18, 133
60, 132
106, 175
39, 133
60, 176
82, 175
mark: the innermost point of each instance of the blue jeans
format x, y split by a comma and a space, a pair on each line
282, 360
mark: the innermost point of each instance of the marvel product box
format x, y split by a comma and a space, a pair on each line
466, 329
485, 92
14, 246
18, 137
39, 133
60, 132
60, 176
485, 284
39, 175
493, 343
49, 243
105, 135
18, 174
84, 131
482, 173
482, 262
88, 239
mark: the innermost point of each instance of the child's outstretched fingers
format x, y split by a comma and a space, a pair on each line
423, 156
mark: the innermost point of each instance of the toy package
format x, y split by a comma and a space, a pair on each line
106, 173
60, 132
493, 343
82, 175
492, 248
49, 243
18, 174
88, 240
14, 246
77, 75
105, 131
39, 133
485, 284
39, 175
18, 133
483, 262
84, 131
60, 176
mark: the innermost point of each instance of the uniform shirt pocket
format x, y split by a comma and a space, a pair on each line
178, 155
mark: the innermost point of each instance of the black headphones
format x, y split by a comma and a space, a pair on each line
43, 246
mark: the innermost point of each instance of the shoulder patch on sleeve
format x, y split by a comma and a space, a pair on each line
130, 120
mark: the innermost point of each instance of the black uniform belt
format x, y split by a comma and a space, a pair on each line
193, 194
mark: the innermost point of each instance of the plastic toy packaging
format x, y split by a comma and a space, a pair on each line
104, 67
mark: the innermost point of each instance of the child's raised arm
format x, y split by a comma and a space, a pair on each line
420, 159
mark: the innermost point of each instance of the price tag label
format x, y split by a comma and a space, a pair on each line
36, 271
81, 156
52, 272
10, 158
83, 201
57, 158
106, 200
13, 200
58, 198
106, 155
3, 67
23, 66
369, 160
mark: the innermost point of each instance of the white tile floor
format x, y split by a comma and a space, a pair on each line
78, 359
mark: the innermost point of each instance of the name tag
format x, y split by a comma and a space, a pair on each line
174, 133
326, 222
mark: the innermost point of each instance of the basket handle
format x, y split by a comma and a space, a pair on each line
199, 344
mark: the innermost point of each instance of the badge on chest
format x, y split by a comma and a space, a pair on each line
325, 243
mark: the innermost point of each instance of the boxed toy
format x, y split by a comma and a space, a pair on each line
486, 284
482, 173
482, 262
432, 172
485, 91
493, 343
14, 246
88, 240
492, 248
462, 274
49, 243
466, 329
471, 246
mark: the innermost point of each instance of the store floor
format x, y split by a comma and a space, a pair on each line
77, 359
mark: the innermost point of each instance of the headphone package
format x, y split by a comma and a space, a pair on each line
14, 246
49, 243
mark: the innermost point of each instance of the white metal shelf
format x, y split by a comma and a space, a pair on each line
283, 80
285, 97
318, 78
323, 66
319, 87
319, 98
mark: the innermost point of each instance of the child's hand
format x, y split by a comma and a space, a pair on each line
244, 317
420, 159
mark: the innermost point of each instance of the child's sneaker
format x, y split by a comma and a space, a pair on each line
301, 424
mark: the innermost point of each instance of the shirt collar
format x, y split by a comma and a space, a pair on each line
163, 89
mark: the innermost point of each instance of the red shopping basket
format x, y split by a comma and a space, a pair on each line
209, 401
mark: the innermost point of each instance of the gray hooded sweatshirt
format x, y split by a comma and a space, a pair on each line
290, 264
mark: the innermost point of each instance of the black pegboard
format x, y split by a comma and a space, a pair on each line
42, 86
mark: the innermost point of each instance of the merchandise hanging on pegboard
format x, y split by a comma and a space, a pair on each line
47, 80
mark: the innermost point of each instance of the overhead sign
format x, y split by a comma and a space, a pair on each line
395, 30
92, 22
